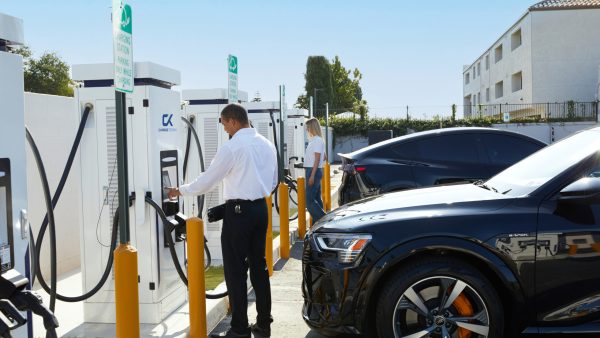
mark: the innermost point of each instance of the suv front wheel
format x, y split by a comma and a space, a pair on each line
441, 298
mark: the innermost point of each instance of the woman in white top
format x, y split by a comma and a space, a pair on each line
313, 164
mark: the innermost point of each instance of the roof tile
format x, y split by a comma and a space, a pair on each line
565, 4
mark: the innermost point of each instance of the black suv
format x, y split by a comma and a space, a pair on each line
429, 158
517, 253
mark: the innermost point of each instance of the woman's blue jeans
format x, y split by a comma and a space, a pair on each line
314, 203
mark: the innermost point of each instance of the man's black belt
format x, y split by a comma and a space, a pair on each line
245, 201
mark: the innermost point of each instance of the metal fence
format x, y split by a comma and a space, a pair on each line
572, 111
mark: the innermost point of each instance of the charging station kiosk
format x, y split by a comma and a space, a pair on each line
259, 114
295, 139
204, 107
14, 225
154, 156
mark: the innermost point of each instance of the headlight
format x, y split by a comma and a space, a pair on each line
347, 246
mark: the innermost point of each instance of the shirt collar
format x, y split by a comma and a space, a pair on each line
244, 131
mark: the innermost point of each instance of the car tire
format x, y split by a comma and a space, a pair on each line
411, 302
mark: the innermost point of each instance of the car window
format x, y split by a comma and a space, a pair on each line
448, 148
528, 175
506, 150
405, 150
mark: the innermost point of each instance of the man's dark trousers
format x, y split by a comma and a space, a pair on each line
243, 237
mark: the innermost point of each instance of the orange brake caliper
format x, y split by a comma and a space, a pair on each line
465, 309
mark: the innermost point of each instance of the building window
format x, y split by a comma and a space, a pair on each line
515, 40
478, 68
473, 73
487, 62
479, 98
498, 54
517, 81
499, 89
467, 78
487, 95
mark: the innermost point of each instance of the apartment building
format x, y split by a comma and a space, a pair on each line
551, 54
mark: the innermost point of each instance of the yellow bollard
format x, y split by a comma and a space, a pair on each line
301, 208
196, 282
327, 176
284, 221
269, 242
127, 300
323, 191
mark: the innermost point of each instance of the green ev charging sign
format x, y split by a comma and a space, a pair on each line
122, 47
232, 76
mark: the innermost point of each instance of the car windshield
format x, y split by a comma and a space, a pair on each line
536, 170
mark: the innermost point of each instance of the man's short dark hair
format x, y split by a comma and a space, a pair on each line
236, 112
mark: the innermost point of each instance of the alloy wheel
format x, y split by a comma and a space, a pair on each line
440, 307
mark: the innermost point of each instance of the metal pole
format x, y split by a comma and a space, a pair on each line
311, 108
122, 170
196, 282
281, 132
301, 207
327, 131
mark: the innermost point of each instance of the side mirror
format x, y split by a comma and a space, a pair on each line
585, 188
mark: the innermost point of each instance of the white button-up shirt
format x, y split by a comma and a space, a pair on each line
247, 165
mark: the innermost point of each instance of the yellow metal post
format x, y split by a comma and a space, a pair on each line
127, 301
327, 176
323, 191
269, 242
301, 208
196, 281
284, 221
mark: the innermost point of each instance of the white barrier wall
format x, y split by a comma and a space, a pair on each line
546, 132
52, 122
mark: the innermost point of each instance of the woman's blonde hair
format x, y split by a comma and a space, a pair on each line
314, 127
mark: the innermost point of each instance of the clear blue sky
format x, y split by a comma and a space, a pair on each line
410, 52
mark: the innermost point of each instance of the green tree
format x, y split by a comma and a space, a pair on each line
317, 76
347, 93
46, 75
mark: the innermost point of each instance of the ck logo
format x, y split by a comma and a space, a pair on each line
167, 120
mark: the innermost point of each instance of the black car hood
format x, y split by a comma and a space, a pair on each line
412, 204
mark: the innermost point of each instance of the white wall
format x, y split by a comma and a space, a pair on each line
348, 144
513, 61
53, 122
566, 55
546, 132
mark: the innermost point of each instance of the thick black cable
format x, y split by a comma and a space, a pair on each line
188, 140
200, 155
275, 190
46, 191
171, 245
61, 185
200, 198
50, 215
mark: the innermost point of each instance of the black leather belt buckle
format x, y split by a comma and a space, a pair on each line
216, 214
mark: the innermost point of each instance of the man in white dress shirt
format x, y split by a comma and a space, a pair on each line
247, 165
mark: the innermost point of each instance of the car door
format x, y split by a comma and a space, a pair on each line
448, 158
568, 257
